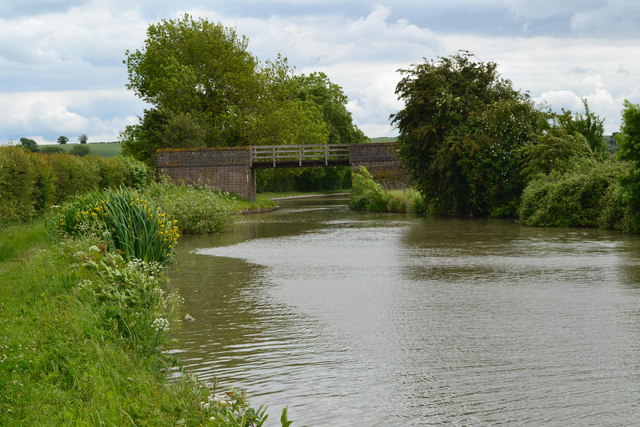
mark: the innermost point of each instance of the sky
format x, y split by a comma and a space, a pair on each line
62, 71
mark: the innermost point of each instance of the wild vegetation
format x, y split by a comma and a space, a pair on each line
84, 301
83, 329
30, 183
474, 146
368, 195
85, 310
196, 210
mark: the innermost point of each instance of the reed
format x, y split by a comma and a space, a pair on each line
128, 222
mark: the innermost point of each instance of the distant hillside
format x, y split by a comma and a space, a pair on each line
105, 149
384, 139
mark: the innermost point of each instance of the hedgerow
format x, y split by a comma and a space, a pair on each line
30, 183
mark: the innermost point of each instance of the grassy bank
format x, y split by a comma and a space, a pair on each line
60, 364
84, 322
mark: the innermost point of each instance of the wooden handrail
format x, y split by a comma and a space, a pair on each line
299, 153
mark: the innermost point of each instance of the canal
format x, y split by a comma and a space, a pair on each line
356, 319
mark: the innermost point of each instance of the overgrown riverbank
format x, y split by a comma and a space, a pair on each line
85, 312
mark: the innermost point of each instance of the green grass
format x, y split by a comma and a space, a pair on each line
105, 149
59, 365
17, 239
65, 358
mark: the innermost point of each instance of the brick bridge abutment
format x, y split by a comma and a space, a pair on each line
233, 169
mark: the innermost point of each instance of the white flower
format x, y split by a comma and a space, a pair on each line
160, 324
84, 283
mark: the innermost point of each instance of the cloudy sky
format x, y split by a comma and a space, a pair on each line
61, 70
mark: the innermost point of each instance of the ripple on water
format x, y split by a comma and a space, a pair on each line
353, 319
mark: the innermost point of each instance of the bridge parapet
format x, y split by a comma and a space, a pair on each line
265, 156
234, 169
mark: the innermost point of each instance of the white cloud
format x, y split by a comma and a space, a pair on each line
548, 8
61, 70
101, 114
613, 18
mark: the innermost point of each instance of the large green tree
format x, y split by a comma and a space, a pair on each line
555, 151
462, 133
199, 68
629, 140
330, 98
280, 117
206, 89
29, 144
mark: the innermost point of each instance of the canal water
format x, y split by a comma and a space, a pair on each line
356, 319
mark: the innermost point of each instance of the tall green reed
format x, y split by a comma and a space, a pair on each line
125, 220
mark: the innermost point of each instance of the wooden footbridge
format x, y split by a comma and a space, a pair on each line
233, 169
291, 156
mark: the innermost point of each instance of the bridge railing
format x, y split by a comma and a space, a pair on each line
299, 153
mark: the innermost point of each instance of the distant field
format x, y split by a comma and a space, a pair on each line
384, 139
105, 149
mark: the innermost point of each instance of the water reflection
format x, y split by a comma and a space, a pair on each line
364, 319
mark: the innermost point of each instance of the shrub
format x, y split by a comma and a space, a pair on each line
18, 176
128, 222
198, 210
577, 198
366, 194
74, 175
138, 173
80, 150
127, 296
416, 204
113, 171
396, 204
30, 183
44, 190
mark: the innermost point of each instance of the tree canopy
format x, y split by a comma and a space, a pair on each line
587, 124
329, 97
629, 139
29, 144
206, 89
462, 131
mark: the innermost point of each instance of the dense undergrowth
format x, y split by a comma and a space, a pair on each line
197, 210
587, 195
368, 195
84, 315
31, 183
81, 344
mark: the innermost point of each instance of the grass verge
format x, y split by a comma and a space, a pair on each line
81, 335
